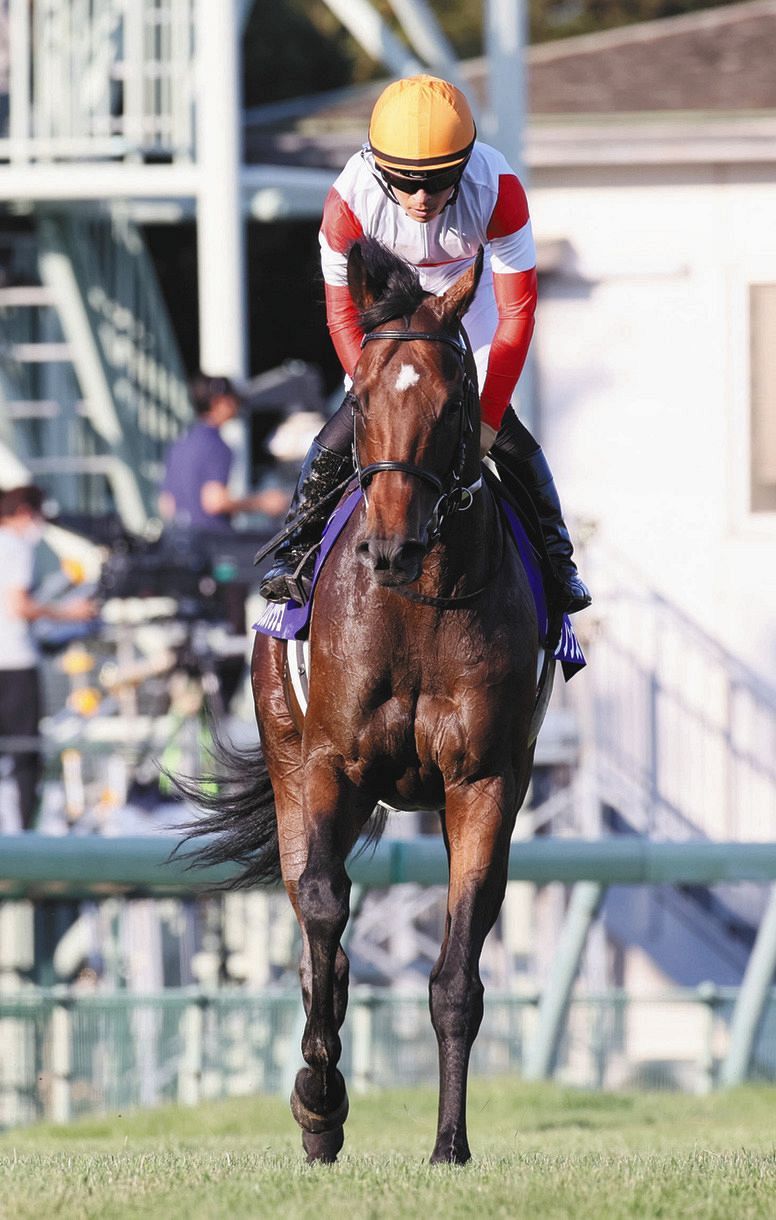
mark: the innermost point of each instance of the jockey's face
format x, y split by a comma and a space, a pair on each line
423, 205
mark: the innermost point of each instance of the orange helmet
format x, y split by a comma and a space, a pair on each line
421, 128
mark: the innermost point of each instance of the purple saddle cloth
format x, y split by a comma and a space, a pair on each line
290, 621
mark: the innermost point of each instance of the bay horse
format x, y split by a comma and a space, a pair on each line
423, 654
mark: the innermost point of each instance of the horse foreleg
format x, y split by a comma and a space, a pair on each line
322, 1133
318, 1144
319, 1101
282, 741
479, 821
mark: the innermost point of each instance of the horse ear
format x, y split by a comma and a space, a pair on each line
454, 303
359, 280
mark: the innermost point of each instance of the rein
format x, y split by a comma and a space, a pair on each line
457, 497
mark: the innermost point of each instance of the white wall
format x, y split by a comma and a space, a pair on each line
643, 380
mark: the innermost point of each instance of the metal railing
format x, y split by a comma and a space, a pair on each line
583, 1037
684, 732
89, 364
38, 866
100, 79
65, 1053
124, 350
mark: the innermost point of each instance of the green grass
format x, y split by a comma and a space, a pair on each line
539, 1152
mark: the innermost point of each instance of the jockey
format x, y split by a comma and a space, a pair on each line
431, 192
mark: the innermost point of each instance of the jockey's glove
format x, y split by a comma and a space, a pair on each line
487, 437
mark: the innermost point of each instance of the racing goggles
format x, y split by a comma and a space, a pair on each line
432, 184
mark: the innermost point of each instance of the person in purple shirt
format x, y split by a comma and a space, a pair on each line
195, 502
195, 490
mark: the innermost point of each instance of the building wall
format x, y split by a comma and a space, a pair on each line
642, 347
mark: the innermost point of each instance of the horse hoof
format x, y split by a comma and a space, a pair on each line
451, 1156
323, 1146
305, 1111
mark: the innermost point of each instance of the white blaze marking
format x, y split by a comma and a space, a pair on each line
408, 375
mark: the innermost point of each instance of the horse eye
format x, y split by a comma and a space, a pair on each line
455, 404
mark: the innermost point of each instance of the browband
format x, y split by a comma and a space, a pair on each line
404, 335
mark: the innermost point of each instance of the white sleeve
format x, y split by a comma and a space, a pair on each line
333, 264
513, 252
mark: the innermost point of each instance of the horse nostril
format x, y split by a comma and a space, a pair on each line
376, 553
408, 558
395, 562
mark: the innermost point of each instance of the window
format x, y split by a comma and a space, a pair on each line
762, 397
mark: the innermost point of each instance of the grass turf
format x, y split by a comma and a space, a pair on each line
539, 1152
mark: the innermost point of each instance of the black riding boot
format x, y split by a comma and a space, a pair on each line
516, 453
322, 470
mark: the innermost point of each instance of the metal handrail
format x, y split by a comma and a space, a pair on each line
34, 865
677, 721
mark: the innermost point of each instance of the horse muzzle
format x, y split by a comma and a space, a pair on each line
391, 560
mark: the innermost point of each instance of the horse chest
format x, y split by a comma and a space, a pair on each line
439, 694
417, 740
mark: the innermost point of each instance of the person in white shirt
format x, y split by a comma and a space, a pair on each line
21, 529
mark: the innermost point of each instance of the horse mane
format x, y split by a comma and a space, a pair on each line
395, 285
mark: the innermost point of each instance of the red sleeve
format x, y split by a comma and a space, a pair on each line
342, 319
339, 224
516, 302
339, 229
511, 210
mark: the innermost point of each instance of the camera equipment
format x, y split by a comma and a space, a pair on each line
196, 568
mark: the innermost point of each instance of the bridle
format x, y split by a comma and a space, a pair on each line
456, 497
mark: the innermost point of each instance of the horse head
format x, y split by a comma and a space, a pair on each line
415, 408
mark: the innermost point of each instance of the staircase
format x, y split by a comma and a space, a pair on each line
684, 733
91, 384
92, 389
680, 743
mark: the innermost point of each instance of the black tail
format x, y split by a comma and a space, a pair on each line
239, 820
